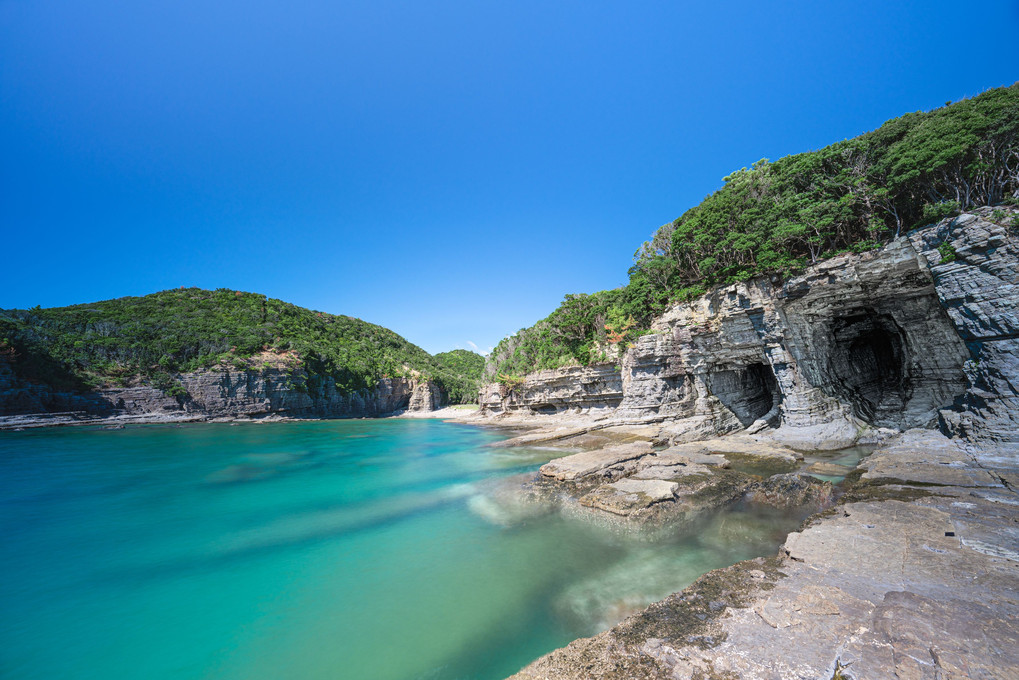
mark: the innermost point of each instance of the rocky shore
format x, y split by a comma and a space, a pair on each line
883, 341
910, 567
910, 573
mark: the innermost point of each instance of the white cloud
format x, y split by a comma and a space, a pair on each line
473, 346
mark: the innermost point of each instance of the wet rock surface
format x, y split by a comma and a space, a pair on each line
642, 485
910, 577
614, 461
791, 490
629, 496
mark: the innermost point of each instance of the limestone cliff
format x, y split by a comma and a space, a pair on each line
893, 338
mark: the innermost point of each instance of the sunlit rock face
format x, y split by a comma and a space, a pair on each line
260, 393
547, 392
426, 396
870, 332
892, 338
224, 394
857, 340
980, 292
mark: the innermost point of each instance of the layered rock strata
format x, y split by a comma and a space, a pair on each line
220, 393
885, 340
913, 576
638, 485
575, 388
979, 289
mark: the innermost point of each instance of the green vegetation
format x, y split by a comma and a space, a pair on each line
777, 218
947, 251
459, 373
580, 331
175, 331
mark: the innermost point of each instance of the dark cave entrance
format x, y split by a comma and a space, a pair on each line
868, 364
749, 391
544, 409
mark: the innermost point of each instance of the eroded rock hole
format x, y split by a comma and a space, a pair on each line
870, 366
749, 391
544, 409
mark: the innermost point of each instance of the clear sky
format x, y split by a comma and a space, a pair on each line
446, 169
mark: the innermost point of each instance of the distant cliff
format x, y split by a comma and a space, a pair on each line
198, 353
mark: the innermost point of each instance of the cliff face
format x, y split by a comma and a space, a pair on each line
573, 388
254, 394
980, 292
222, 393
892, 338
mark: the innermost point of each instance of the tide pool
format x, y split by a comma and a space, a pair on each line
376, 549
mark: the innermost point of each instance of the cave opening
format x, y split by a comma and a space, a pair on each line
543, 409
870, 368
748, 391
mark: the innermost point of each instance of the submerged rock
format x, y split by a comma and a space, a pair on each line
791, 490
827, 469
641, 485
917, 582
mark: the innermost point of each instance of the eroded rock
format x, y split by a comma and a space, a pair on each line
628, 496
854, 348
792, 490
878, 589
599, 462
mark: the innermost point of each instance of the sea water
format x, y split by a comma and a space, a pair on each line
375, 549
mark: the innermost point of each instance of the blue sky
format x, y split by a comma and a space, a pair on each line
446, 169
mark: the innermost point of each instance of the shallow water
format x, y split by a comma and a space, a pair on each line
336, 549
846, 458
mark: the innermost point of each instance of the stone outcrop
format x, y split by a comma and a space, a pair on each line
607, 463
18, 397
914, 576
857, 346
426, 396
979, 289
637, 484
576, 388
222, 393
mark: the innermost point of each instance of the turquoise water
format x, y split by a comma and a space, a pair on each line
386, 549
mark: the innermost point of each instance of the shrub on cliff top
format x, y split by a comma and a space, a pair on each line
778, 217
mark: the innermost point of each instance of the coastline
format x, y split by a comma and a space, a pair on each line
910, 574
38, 420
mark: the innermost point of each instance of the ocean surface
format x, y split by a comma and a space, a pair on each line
363, 549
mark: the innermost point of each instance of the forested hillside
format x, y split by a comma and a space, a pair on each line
778, 217
459, 373
112, 342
